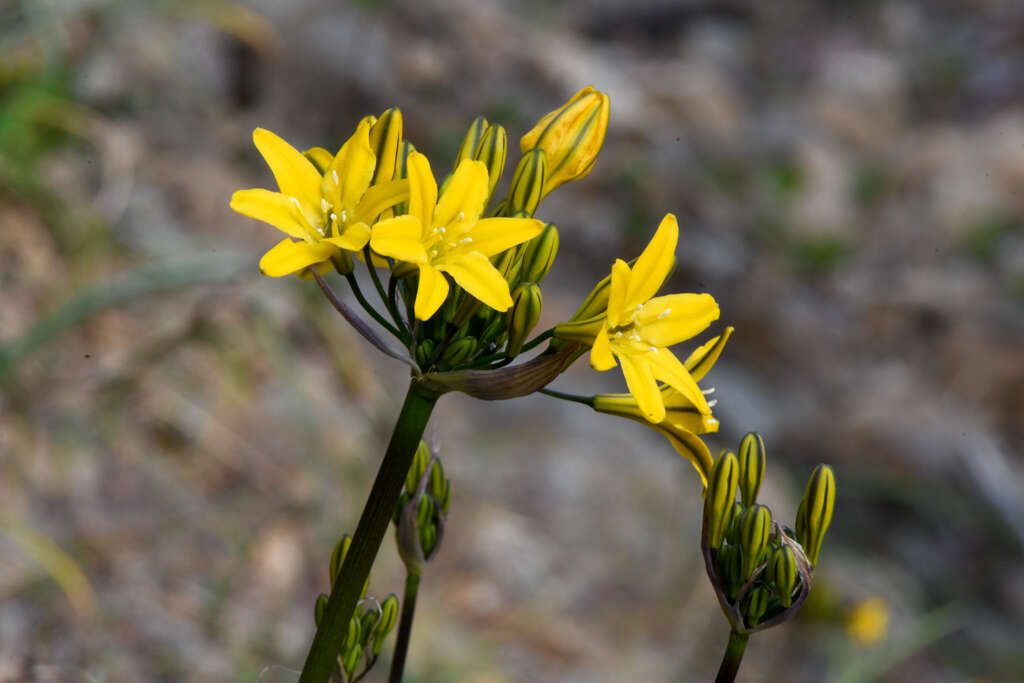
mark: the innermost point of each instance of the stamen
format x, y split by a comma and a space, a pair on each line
664, 313
653, 349
618, 335
334, 216
452, 245
712, 403
441, 230
707, 392
711, 420
295, 201
635, 337
324, 205
466, 240
344, 216
462, 215
321, 231
334, 174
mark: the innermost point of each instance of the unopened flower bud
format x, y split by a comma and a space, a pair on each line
783, 573
818, 503
755, 605
492, 150
350, 659
732, 529
754, 529
719, 497
424, 352
418, 468
388, 617
571, 136
527, 188
368, 620
352, 638
439, 487
459, 351
522, 317
386, 141
402, 171
470, 140
753, 461
318, 609
539, 255
338, 556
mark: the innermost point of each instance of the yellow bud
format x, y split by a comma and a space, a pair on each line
386, 141
471, 140
571, 136
492, 150
755, 526
527, 188
783, 573
522, 317
539, 254
720, 496
817, 504
753, 460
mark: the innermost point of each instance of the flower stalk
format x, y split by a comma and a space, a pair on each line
412, 588
733, 656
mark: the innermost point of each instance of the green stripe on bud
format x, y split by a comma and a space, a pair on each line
418, 468
459, 351
470, 140
522, 317
439, 487
755, 605
719, 497
338, 556
818, 503
388, 616
527, 188
352, 638
492, 150
732, 529
350, 659
368, 620
755, 527
386, 141
539, 254
424, 352
753, 460
318, 609
783, 573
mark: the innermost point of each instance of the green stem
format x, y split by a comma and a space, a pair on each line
412, 587
392, 311
585, 400
371, 310
732, 657
373, 523
546, 334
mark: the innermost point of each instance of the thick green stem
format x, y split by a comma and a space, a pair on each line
575, 398
412, 587
732, 657
366, 541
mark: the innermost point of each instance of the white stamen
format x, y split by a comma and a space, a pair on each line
452, 245
321, 231
711, 420
334, 174
664, 313
295, 201
707, 392
334, 216
462, 215
653, 349
344, 216
441, 230
712, 403
466, 240
639, 306
618, 335
635, 337
433, 253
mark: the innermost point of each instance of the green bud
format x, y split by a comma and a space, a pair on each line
352, 639
755, 605
783, 573
755, 526
818, 503
732, 533
388, 617
522, 317
428, 539
753, 460
424, 512
493, 330
527, 184
729, 567
492, 150
439, 486
386, 141
318, 609
801, 524
471, 140
539, 254
350, 660
459, 351
418, 468
424, 352
719, 496
367, 620
338, 556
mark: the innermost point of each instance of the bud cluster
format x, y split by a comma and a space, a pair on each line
368, 627
760, 569
422, 510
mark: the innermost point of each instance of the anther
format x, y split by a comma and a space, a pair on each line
334, 216
707, 392
664, 313
334, 174
324, 205
712, 403
462, 215
295, 201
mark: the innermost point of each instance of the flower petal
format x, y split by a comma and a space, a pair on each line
431, 291
381, 197
702, 360
351, 171
621, 275
477, 275
668, 369
355, 237
655, 263
320, 158
668, 320
691, 447
422, 190
640, 380
463, 199
399, 238
288, 257
494, 235
295, 174
271, 207
601, 357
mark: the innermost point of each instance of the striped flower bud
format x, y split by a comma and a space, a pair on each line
492, 150
753, 460
352, 638
459, 351
318, 609
732, 530
424, 352
755, 527
439, 487
338, 556
368, 620
522, 317
402, 171
470, 140
755, 605
388, 617
818, 503
350, 658
800, 533
571, 136
527, 188
719, 497
418, 468
539, 254
783, 573
386, 141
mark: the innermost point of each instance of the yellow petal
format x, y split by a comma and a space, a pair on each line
702, 360
668, 320
430, 292
494, 235
668, 369
617, 314
320, 158
295, 174
601, 357
399, 238
463, 199
288, 257
655, 263
422, 190
271, 207
640, 380
691, 447
475, 273
386, 140
349, 174
381, 197
354, 238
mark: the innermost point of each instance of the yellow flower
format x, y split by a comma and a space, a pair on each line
325, 212
683, 421
868, 622
447, 235
637, 329
571, 136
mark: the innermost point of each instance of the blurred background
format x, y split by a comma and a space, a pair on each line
183, 440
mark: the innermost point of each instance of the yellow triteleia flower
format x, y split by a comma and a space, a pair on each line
447, 235
636, 330
683, 421
323, 212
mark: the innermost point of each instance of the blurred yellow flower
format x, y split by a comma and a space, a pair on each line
447, 235
868, 622
325, 212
